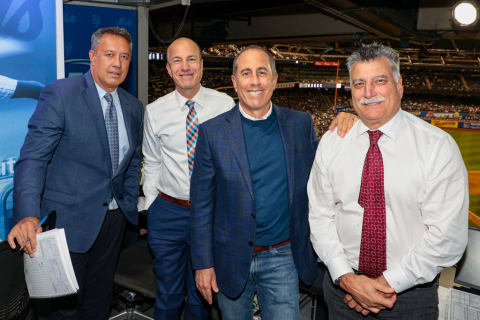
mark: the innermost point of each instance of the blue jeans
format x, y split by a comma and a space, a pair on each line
274, 277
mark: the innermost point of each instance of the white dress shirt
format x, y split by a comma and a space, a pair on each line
7, 87
165, 144
249, 117
426, 198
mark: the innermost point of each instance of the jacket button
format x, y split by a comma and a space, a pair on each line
254, 216
120, 198
105, 204
250, 243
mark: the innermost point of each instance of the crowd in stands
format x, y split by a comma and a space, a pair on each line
319, 102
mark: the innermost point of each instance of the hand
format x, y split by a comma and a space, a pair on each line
206, 282
343, 122
352, 304
142, 231
371, 294
25, 231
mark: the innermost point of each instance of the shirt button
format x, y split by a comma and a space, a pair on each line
105, 204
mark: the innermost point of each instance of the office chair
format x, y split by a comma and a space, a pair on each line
14, 298
135, 276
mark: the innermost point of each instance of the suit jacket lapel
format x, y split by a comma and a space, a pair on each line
288, 138
127, 118
94, 106
234, 134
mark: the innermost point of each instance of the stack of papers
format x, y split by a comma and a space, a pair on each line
456, 304
50, 272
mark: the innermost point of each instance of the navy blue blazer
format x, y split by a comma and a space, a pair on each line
64, 163
222, 225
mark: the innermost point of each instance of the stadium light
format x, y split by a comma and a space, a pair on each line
465, 13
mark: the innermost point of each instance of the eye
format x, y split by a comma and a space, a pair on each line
380, 81
359, 85
125, 56
244, 73
192, 59
109, 54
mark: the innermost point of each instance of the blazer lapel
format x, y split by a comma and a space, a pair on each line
127, 118
234, 134
288, 138
94, 106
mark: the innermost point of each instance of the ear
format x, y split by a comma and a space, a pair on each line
275, 78
234, 81
400, 86
91, 55
169, 70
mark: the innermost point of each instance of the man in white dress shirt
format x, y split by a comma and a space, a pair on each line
167, 177
388, 203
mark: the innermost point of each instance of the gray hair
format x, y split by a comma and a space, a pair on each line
255, 47
97, 35
372, 51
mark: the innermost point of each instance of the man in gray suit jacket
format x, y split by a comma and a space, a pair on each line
81, 159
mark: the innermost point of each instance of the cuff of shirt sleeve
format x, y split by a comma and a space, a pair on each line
338, 267
397, 279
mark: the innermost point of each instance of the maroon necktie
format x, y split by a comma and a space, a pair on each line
373, 248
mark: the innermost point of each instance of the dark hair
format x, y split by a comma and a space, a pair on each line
97, 35
372, 51
255, 47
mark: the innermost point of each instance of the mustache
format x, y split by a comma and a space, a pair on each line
372, 100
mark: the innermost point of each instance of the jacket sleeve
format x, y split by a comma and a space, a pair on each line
45, 129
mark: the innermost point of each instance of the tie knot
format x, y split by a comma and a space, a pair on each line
190, 104
374, 136
108, 97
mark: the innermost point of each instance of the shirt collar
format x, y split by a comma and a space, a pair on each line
389, 129
249, 117
101, 92
199, 99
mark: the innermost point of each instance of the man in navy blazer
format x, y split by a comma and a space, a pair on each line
249, 220
71, 165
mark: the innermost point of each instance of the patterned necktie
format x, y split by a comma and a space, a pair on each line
192, 133
111, 123
373, 253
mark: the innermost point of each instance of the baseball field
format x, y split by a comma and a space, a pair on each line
469, 143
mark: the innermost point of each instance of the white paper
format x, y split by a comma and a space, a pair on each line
50, 272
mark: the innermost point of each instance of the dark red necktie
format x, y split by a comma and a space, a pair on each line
373, 248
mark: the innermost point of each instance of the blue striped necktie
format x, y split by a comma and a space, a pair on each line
192, 133
111, 123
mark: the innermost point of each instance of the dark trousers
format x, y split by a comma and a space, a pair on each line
417, 303
94, 271
168, 237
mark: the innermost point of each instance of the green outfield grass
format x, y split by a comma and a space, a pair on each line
469, 144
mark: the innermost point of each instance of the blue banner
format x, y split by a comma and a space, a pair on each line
80, 21
28, 61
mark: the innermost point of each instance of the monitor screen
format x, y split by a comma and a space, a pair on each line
468, 269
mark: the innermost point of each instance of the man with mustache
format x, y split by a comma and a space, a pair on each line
385, 227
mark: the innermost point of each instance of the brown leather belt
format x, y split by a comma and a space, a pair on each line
180, 202
257, 249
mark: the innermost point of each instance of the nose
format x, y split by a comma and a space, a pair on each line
255, 79
185, 65
369, 90
117, 61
